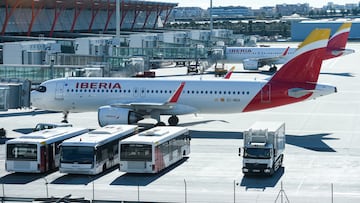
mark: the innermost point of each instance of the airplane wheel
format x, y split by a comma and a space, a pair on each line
173, 120
273, 69
160, 124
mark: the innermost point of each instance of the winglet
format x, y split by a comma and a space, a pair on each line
286, 51
175, 97
228, 74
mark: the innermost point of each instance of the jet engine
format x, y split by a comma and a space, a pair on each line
251, 64
113, 115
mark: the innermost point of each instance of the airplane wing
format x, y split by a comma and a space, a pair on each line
272, 60
149, 106
144, 106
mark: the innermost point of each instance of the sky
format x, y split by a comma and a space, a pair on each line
254, 4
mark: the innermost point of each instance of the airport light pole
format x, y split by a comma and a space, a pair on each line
47, 189
211, 22
185, 191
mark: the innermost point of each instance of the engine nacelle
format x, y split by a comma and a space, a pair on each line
251, 64
108, 115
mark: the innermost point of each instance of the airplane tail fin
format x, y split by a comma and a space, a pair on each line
339, 39
297, 79
306, 63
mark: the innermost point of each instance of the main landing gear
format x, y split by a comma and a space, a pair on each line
273, 69
173, 121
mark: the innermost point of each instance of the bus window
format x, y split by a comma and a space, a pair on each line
153, 150
22, 152
83, 155
135, 152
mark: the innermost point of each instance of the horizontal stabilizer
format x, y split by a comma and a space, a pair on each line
299, 92
342, 52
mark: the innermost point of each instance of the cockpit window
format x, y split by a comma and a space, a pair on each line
41, 89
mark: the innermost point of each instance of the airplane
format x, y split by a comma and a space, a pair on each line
255, 57
229, 73
129, 100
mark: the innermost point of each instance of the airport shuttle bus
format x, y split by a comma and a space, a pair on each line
94, 152
153, 150
38, 152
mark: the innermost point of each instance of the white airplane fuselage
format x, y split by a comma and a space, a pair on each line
239, 54
205, 96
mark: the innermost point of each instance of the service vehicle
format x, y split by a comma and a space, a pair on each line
95, 151
38, 152
264, 144
220, 71
154, 150
43, 126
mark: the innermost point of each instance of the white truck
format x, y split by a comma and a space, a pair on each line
264, 144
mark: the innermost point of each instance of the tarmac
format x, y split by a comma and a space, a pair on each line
321, 163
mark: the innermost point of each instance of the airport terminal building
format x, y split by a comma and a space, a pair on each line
299, 30
49, 16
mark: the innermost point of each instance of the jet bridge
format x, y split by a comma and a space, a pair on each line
14, 94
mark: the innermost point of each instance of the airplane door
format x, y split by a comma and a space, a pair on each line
59, 92
266, 94
139, 92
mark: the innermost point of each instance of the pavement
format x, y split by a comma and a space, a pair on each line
321, 163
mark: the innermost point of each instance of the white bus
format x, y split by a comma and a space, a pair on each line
94, 152
153, 150
38, 152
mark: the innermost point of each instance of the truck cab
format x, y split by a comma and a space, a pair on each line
264, 144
